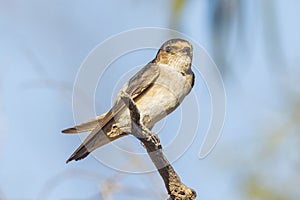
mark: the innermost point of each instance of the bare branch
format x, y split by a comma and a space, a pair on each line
176, 189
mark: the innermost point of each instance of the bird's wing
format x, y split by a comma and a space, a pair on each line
135, 87
142, 80
85, 126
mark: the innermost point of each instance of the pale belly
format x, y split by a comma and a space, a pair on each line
163, 97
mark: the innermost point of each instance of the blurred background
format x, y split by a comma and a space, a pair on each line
255, 44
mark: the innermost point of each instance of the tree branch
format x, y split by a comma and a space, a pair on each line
176, 189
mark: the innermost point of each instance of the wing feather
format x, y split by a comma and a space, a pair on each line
135, 87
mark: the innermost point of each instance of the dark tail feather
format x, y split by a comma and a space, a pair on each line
79, 154
70, 130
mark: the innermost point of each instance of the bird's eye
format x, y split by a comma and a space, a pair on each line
186, 49
168, 49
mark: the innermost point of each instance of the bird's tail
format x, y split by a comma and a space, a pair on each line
79, 154
86, 126
99, 136
96, 139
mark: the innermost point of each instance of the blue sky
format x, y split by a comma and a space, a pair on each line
42, 47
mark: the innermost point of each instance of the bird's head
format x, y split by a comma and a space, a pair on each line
176, 53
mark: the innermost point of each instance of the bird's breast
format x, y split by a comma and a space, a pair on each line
163, 96
160, 99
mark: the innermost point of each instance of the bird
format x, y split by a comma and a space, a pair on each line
157, 90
